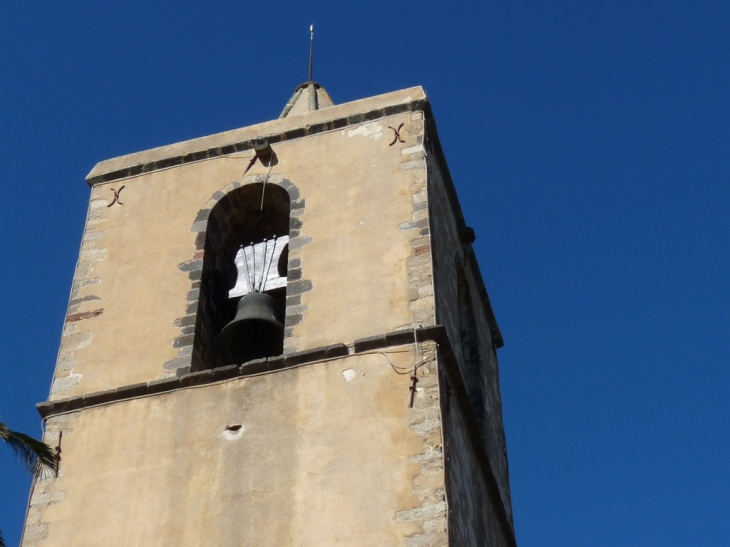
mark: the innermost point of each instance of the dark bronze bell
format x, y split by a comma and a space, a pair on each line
255, 332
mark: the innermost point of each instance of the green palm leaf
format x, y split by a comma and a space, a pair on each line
35, 455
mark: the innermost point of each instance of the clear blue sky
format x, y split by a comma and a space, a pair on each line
588, 142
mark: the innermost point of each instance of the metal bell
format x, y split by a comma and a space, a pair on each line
255, 332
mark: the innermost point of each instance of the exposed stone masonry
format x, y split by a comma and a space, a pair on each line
428, 484
420, 276
76, 333
43, 493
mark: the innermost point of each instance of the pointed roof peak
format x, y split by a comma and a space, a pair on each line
307, 97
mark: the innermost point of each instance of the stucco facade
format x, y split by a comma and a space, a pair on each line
331, 442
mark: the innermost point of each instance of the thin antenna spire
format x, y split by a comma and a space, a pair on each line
311, 50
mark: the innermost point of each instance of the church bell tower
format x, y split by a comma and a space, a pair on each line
279, 336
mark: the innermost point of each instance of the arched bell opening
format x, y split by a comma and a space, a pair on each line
242, 294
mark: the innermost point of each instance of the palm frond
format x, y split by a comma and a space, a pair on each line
35, 455
2, 541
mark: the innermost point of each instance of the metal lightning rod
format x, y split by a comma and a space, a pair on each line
311, 50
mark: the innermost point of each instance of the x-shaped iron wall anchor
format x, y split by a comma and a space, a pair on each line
116, 196
396, 136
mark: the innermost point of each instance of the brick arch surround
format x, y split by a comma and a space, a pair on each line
190, 343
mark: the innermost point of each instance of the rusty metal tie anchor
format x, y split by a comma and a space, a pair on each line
116, 196
58, 452
414, 381
396, 136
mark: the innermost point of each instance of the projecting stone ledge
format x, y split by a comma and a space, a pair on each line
244, 139
257, 366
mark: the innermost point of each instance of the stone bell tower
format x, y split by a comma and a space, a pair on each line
279, 335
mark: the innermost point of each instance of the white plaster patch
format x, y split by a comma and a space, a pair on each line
233, 431
372, 130
349, 375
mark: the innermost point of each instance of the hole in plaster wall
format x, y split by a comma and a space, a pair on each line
233, 431
349, 374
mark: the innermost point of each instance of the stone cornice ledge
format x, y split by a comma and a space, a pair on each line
258, 366
275, 131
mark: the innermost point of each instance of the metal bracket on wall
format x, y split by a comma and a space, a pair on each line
414, 381
116, 196
396, 136
58, 451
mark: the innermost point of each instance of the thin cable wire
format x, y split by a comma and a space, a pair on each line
266, 178
395, 368
248, 273
415, 343
266, 252
263, 266
253, 254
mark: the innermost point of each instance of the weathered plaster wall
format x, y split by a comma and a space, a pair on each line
307, 466
362, 233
